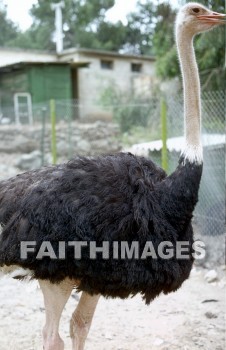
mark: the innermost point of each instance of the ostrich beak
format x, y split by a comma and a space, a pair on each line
213, 18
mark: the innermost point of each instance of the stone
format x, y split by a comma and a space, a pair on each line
17, 144
101, 144
158, 342
210, 315
7, 171
30, 161
222, 283
84, 146
5, 121
62, 148
211, 276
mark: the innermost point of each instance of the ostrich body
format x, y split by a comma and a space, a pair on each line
112, 198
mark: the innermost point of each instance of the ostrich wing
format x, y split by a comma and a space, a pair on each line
14, 190
69, 183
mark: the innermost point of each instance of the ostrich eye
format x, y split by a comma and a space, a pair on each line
196, 10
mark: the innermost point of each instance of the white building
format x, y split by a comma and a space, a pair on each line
91, 72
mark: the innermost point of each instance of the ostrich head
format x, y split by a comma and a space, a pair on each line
196, 18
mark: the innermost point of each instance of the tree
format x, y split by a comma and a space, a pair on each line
8, 30
150, 31
111, 36
209, 50
140, 29
83, 22
164, 43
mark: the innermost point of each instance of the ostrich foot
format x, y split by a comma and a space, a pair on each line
52, 343
78, 332
55, 298
81, 320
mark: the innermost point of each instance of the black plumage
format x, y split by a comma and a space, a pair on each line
110, 198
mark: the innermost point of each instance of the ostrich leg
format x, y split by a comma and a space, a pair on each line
55, 298
81, 320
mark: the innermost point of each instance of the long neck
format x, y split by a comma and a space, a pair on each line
192, 105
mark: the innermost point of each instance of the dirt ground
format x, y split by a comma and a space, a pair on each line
191, 318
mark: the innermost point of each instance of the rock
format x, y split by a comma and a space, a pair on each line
7, 171
17, 143
101, 145
76, 139
30, 161
82, 138
222, 283
158, 342
210, 315
108, 336
5, 121
84, 146
210, 301
211, 276
195, 272
62, 148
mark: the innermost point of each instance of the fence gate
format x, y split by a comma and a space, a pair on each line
23, 108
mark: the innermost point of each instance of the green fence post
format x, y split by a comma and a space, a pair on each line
43, 135
53, 130
164, 134
69, 131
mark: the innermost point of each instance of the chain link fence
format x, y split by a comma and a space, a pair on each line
143, 118
210, 211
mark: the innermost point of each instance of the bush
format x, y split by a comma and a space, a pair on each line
128, 111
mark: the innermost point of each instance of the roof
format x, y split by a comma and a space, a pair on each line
11, 56
18, 49
95, 52
175, 144
19, 65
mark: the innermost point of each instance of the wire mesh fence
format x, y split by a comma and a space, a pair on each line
210, 211
144, 118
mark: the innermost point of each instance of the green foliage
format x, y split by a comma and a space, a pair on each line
128, 110
33, 39
150, 28
8, 30
137, 116
209, 49
139, 134
164, 29
164, 47
140, 28
111, 36
83, 22
168, 65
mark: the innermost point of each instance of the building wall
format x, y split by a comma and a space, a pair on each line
87, 84
50, 82
42, 82
10, 56
11, 83
93, 81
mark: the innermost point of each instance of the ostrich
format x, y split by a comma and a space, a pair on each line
112, 198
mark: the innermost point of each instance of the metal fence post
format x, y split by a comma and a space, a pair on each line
53, 130
69, 131
44, 109
164, 134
